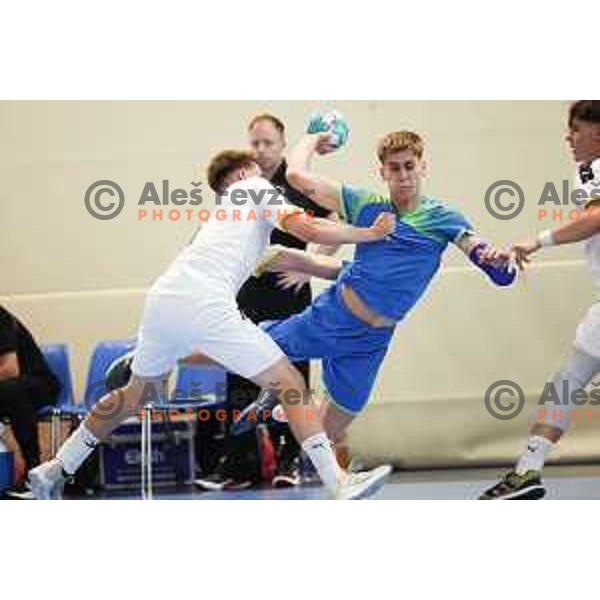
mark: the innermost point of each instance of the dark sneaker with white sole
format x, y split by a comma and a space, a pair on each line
515, 486
216, 482
234, 472
19, 492
288, 473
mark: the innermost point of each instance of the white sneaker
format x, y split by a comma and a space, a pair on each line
47, 481
362, 485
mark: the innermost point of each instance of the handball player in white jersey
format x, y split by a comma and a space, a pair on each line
524, 481
191, 309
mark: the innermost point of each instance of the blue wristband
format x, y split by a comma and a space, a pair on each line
502, 276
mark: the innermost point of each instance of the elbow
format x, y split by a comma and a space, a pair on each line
311, 235
307, 232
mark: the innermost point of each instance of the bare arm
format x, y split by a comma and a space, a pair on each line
323, 191
297, 280
9, 366
576, 231
311, 229
280, 259
322, 248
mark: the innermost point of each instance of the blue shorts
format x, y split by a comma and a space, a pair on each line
351, 351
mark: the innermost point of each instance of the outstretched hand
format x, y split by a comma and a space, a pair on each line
290, 280
523, 250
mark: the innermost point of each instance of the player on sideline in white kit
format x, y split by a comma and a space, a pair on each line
191, 309
524, 481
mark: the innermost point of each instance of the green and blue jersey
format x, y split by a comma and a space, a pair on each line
391, 275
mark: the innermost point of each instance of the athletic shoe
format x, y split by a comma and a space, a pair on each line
19, 492
357, 486
288, 472
513, 486
218, 481
47, 480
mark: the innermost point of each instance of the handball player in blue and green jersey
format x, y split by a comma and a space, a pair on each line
349, 327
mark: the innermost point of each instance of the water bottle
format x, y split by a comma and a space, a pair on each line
268, 458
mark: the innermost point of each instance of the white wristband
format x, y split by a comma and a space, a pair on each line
546, 238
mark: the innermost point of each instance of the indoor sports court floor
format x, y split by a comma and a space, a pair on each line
569, 482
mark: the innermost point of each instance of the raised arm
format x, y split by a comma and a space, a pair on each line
323, 191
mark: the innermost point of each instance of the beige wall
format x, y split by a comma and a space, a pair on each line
76, 279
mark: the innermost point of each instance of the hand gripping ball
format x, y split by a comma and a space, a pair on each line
331, 121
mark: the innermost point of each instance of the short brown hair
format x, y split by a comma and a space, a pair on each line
224, 163
397, 141
585, 110
277, 123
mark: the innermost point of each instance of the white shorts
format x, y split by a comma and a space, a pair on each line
174, 327
587, 338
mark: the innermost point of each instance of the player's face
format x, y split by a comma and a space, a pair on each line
584, 140
267, 144
403, 171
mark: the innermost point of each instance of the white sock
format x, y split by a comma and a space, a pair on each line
534, 456
319, 450
76, 449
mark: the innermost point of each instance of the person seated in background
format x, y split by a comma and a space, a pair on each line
26, 384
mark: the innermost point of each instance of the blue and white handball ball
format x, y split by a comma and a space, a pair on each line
332, 121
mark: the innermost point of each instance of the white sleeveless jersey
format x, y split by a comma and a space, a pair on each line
229, 245
588, 179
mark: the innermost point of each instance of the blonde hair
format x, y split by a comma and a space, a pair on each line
397, 141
